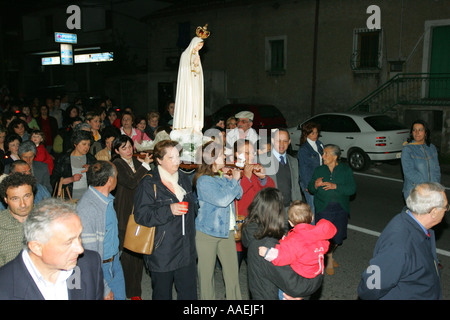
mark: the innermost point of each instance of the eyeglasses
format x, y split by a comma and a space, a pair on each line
447, 207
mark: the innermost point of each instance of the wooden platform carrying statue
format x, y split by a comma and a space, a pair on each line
188, 117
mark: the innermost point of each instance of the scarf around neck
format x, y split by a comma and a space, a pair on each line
173, 180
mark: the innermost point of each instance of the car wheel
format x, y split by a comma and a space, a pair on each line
358, 160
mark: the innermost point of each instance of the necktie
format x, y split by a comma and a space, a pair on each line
282, 161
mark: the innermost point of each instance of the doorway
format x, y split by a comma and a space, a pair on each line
440, 63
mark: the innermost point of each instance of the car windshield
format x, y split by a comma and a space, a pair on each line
269, 112
384, 123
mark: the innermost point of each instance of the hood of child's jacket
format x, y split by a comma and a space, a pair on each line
323, 230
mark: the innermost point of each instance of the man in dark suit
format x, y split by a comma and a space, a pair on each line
282, 168
54, 265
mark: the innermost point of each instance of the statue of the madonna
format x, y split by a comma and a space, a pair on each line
189, 94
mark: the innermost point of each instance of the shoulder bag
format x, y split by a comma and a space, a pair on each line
60, 191
138, 238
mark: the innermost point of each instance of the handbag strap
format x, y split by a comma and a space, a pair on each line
154, 187
57, 189
60, 187
62, 193
68, 193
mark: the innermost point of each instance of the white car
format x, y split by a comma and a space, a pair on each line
362, 137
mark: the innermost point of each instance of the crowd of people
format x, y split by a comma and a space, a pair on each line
71, 178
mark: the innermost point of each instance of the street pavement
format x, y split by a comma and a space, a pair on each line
353, 256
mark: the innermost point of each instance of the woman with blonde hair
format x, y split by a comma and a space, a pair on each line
93, 118
231, 123
152, 124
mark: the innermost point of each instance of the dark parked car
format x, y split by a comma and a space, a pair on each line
265, 116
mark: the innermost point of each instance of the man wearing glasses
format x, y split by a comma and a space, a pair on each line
405, 264
243, 131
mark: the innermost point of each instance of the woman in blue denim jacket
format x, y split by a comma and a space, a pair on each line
216, 221
309, 158
420, 161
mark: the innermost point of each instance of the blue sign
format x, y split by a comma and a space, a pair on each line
51, 60
94, 57
61, 37
66, 54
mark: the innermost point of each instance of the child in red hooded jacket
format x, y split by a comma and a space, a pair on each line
305, 245
42, 155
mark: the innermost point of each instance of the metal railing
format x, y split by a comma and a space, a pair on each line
408, 89
365, 63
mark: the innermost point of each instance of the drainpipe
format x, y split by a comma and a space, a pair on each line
401, 31
314, 62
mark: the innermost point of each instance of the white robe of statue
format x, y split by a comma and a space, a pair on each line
189, 94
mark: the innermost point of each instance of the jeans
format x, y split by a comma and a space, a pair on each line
114, 279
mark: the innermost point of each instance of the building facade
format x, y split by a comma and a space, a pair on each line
305, 57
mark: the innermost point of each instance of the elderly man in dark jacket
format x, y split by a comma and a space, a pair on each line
27, 152
405, 265
54, 255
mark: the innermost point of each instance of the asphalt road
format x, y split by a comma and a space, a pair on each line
379, 194
377, 200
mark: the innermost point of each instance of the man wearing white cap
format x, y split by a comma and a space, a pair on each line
243, 130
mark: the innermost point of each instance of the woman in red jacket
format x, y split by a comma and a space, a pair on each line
253, 180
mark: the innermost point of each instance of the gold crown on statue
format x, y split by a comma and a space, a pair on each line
202, 32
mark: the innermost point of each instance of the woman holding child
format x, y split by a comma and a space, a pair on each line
264, 227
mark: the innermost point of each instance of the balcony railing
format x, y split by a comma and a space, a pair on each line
432, 89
